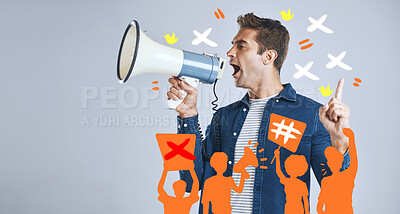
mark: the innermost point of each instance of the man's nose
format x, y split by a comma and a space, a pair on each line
231, 53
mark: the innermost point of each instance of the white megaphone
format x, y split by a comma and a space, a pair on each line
139, 54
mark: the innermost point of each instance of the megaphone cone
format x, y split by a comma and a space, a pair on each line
139, 54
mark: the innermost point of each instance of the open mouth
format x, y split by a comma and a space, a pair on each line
236, 69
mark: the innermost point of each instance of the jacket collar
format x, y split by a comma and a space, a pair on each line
287, 93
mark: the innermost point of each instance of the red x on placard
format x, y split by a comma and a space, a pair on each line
179, 150
179, 156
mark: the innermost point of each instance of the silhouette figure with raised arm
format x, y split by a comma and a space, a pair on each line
337, 189
217, 189
178, 204
295, 189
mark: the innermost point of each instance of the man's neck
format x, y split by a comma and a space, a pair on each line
265, 90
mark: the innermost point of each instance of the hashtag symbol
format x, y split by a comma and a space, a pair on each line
288, 133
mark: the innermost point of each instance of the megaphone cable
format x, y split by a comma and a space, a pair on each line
217, 139
214, 103
216, 125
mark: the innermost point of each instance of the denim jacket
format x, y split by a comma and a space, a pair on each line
268, 194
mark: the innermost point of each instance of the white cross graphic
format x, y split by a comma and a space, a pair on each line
317, 24
202, 37
338, 61
303, 71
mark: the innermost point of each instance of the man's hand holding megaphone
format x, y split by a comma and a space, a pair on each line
187, 108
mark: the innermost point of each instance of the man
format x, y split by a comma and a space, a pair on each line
259, 50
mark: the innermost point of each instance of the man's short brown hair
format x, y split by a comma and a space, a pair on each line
271, 35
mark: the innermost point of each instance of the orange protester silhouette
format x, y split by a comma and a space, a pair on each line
178, 204
177, 152
337, 189
217, 189
295, 189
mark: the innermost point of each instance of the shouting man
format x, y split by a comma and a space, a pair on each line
259, 50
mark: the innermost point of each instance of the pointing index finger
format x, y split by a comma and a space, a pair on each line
339, 89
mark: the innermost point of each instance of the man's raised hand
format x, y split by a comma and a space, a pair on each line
335, 116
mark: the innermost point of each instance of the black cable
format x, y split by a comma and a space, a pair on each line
214, 103
217, 128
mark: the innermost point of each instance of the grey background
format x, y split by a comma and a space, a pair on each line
53, 52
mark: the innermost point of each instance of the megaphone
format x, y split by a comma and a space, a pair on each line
138, 54
248, 159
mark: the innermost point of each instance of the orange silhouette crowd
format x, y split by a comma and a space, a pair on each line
216, 191
335, 195
336, 190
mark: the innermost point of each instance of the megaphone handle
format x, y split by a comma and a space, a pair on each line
275, 156
245, 174
172, 104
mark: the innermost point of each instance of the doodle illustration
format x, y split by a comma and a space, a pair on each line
295, 189
177, 150
178, 204
281, 134
220, 13
337, 189
317, 24
305, 46
171, 39
202, 37
155, 88
217, 189
357, 81
338, 61
287, 16
325, 91
304, 71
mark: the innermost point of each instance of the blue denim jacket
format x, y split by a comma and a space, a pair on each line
269, 196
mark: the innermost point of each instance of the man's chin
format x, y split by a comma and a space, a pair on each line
238, 85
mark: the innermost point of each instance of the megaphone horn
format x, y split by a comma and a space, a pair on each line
138, 54
248, 159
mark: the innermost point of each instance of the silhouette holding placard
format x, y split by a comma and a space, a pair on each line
178, 204
295, 189
337, 189
217, 189
177, 152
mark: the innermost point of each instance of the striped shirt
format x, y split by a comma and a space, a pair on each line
243, 202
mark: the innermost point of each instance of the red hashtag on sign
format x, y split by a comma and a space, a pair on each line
179, 150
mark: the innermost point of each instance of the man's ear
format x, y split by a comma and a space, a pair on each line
269, 56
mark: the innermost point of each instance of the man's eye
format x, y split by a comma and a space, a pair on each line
240, 46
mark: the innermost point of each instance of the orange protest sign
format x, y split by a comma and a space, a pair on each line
177, 149
285, 132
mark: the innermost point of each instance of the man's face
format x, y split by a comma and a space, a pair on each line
247, 64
